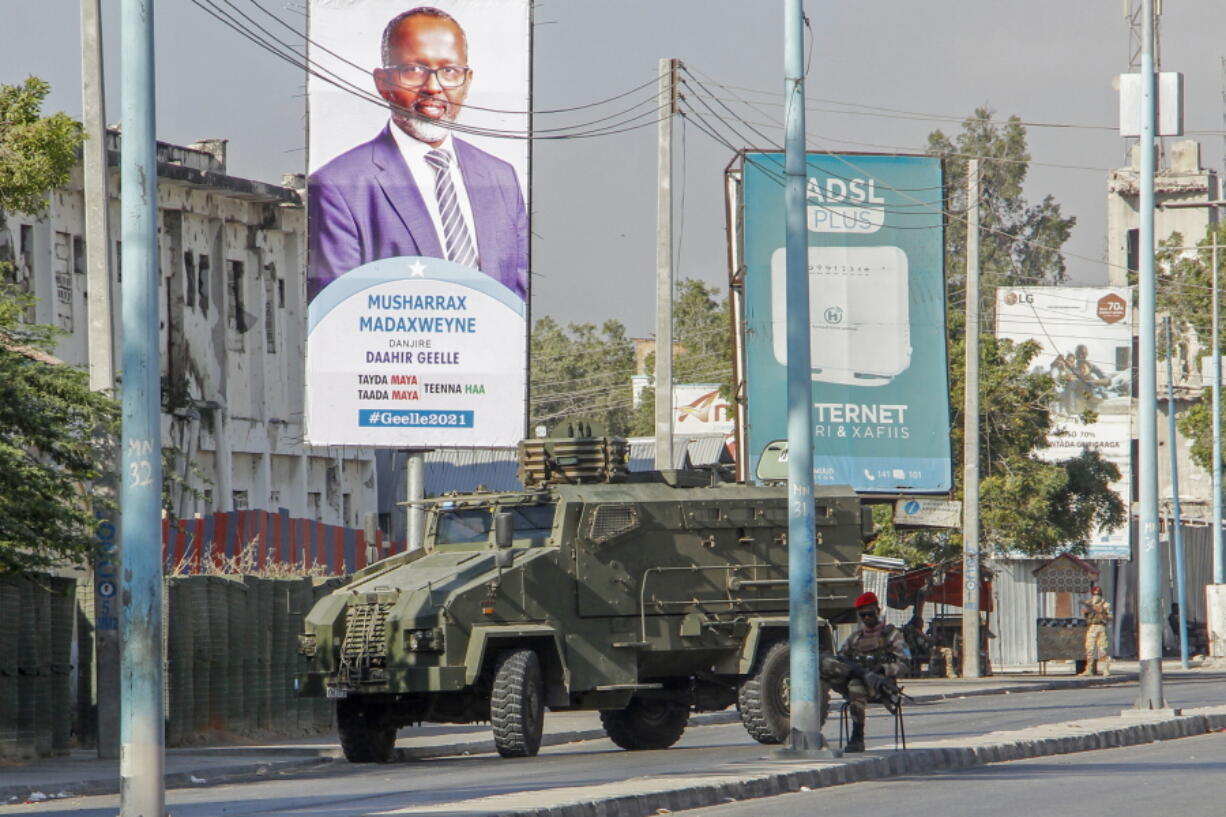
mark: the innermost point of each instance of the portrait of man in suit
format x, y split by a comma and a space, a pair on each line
417, 188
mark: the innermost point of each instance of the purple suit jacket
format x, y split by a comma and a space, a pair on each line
363, 206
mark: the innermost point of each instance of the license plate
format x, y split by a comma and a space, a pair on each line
337, 692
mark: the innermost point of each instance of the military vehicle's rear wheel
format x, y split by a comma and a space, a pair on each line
517, 704
765, 698
365, 735
647, 723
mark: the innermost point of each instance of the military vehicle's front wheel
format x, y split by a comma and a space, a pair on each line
765, 698
517, 704
647, 723
365, 735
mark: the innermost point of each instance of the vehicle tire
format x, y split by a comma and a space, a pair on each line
365, 736
517, 704
764, 699
647, 723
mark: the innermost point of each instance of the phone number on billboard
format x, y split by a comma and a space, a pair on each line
401, 418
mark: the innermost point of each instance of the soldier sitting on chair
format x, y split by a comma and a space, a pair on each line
865, 665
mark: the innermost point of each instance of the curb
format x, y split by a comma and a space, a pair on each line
305, 759
20, 793
649, 796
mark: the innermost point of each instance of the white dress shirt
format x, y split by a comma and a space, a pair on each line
414, 153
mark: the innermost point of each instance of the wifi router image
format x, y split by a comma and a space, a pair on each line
859, 313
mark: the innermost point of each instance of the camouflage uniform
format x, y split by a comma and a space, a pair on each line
1097, 612
883, 652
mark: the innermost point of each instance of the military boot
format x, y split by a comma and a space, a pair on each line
1104, 665
855, 743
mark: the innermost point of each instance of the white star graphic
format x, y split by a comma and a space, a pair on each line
417, 270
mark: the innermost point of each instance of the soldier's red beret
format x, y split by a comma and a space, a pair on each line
1095, 589
866, 599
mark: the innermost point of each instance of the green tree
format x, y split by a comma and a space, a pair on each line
37, 153
49, 419
702, 334
48, 450
1185, 292
581, 372
1019, 243
1027, 505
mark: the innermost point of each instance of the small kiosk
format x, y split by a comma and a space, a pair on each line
937, 588
1061, 583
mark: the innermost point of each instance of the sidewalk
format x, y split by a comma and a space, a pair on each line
82, 773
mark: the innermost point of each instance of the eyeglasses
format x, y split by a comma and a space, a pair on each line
413, 75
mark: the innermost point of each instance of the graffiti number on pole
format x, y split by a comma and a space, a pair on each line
140, 466
140, 473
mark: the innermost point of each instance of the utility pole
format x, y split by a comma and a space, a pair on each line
415, 481
101, 376
143, 752
1149, 592
1219, 552
1176, 511
664, 266
806, 739
970, 441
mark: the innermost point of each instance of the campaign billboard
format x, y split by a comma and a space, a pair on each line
876, 317
1085, 337
417, 221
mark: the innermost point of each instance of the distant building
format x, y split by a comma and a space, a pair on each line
1182, 192
232, 321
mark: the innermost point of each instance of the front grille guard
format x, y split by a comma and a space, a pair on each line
364, 647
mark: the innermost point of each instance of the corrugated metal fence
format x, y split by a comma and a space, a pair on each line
253, 541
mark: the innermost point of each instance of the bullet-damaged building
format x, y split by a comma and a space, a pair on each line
232, 325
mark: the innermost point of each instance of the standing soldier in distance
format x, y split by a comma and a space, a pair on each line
1097, 612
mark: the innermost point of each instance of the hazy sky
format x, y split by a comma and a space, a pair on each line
883, 74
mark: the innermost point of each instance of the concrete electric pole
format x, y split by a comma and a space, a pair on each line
970, 442
1149, 590
142, 757
101, 375
664, 267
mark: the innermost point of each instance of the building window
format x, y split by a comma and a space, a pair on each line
281, 293
237, 317
78, 255
270, 327
240, 500
61, 269
202, 282
189, 278
1133, 253
314, 505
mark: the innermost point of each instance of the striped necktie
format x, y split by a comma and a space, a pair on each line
455, 230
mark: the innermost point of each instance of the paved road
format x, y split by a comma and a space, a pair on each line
1179, 777
341, 790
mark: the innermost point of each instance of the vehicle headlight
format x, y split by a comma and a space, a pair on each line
307, 645
425, 640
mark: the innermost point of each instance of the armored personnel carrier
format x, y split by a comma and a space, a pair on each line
645, 596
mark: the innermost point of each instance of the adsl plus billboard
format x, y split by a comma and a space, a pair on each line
876, 317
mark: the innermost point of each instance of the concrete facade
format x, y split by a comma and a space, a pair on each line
1179, 187
232, 330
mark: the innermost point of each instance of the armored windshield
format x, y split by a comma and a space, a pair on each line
472, 525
